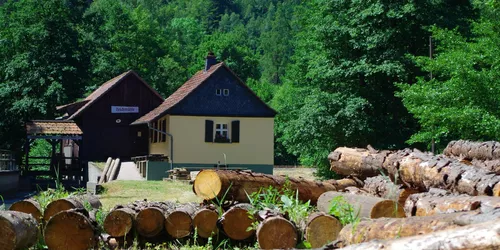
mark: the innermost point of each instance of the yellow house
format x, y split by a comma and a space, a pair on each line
212, 119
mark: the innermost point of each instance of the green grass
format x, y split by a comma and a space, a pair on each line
123, 192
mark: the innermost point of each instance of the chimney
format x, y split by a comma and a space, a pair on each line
210, 60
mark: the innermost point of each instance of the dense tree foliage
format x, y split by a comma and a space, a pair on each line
340, 73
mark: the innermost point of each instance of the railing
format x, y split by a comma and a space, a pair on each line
7, 160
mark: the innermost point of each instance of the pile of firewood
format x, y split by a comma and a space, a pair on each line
404, 199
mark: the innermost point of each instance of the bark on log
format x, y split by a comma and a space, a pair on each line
236, 221
61, 205
28, 206
489, 150
105, 170
205, 222
18, 230
383, 187
342, 184
71, 229
321, 229
210, 184
120, 221
425, 204
179, 222
417, 170
368, 206
115, 170
276, 232
151, 218
481, 236
391, 228
72, 202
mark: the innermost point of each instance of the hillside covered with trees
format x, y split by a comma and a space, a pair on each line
339, 73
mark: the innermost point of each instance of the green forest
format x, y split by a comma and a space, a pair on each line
338, 72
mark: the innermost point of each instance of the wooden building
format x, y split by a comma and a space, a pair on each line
106, 114
212, 119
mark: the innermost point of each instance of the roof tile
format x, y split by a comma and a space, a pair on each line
53, 128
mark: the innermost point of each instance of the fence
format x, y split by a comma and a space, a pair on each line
7, 160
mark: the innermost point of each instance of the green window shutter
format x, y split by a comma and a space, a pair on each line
235, 131
209, 131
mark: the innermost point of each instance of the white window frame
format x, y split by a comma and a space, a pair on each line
226, 92
219, 127
218, 92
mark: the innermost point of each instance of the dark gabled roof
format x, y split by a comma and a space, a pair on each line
101, 91
52, 128
186, 89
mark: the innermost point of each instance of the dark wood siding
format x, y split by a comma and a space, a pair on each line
107, 134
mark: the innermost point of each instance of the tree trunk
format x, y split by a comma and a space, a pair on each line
342, 184
425, 204
28, 206
367, 206
356, 162
210, 184
151, 218
105, 170
120, 221
18, 230
489, 150
61, 205
383, 187
236, 221
321, 229
205, 222
391, 228
179, 222
116, 170
72, 202
71, 229
481, 236
276, 232
417, 170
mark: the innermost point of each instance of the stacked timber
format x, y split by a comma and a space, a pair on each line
416, 170
179, 174
29, 206
485, 155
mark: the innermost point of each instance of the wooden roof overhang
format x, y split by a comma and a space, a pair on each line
53, 129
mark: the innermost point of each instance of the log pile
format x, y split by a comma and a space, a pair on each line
404, 199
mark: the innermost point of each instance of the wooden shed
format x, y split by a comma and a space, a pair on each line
106, 114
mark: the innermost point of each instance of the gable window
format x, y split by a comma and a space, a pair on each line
218, 92
221, 132
226, 92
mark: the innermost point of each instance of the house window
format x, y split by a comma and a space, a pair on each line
218, 92
221, 133
226, 92
164, 129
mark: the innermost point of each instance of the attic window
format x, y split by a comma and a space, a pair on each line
218, 92
226, 92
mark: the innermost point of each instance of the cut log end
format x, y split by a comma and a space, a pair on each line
18, 230
178, 224
276, 233
236, 222
150, 221
322, 229
207, 184
70, 230
387, 208
205, 223
29, 207
58, 206
118, 223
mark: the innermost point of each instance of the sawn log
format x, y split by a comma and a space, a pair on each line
210, 184
18, 230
